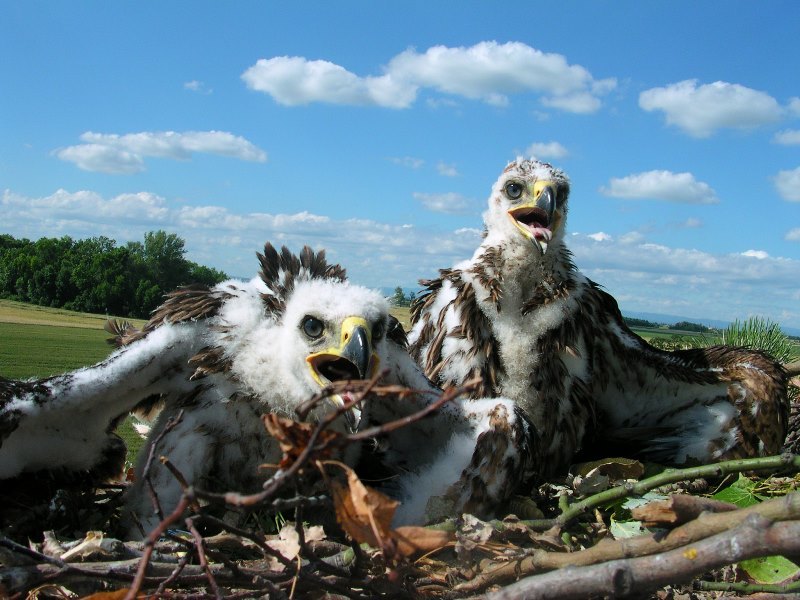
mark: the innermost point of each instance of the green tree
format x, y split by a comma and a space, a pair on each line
164, 256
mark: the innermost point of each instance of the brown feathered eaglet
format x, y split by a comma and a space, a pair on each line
520, 314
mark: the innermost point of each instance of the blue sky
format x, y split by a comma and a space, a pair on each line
376, 129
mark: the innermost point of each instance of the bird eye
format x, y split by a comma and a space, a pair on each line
561, 196
378, 331
312, 327
514, 189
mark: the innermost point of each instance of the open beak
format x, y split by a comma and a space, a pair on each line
538, 218
353, 359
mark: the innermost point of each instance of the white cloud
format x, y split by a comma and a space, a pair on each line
407, 161
642, 276
447, 170
294, 80
661, 185
545, 150
64, 206
659, 279
102, 159
487, 71
788, 184
701, 110
124, 154
448, 203
793, 235
787, 137
227, 240
691, 223
794, 106
197, 86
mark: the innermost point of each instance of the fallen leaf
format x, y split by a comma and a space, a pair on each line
770, 569
413, 540
365, 514
293, 437
115, 595
95, 546
616, 469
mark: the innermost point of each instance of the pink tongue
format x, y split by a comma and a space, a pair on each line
539, 232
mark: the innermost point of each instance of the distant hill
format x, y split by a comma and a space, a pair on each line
672, 319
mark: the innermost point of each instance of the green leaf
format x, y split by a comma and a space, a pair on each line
769, 569
626, 529
741, 493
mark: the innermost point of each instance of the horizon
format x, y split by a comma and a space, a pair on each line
321, 125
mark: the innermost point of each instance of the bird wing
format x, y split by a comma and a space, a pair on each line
701, 403
64, 421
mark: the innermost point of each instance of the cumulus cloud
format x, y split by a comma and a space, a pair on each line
228, 240
546, 150
661, 185
124, 154
447, 170
759, 254
793, 235
691, 223
197, 86
488, 72
788, 184
641, 275
700, 110
449, 203
102, 159
63, 206
654, 278
787, 137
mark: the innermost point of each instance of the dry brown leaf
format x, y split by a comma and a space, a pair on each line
293, 437
365, 514
115, 595
420, 540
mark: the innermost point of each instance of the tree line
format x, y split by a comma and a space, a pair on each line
97, 275
680, 325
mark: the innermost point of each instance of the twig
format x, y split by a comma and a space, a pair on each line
755, 537
739, 587
150, 543
201, 557
785, 508
447, 396
171, 423
765, 463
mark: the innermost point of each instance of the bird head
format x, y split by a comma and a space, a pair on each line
339, 328
309, 327
529, 204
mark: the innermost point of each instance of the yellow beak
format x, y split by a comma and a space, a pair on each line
537, 219
352, 359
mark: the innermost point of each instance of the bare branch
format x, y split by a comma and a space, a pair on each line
755, 537
786, 508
